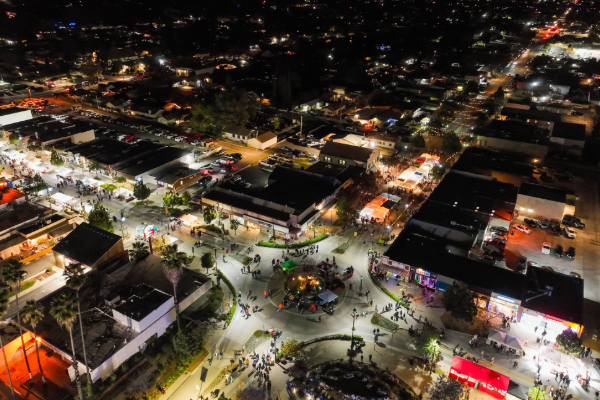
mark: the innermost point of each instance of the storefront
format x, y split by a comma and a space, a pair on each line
393, 269
503, 305
553, 326
479, 377
267, 227
423, 278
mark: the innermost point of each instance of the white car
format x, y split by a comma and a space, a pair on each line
157, 133
313, 144
570, 233
546, 247
196, 143
522, 228
179, 139
169, 136
121, 137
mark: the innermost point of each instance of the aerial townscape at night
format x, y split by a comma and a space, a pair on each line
300, 200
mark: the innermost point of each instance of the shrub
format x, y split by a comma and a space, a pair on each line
294, 245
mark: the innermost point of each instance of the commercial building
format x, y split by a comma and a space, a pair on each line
539, 201
177, 176
47, 131
347, 155
134, 304
13, 115
568, 139
291, 201
90, 246
239, 133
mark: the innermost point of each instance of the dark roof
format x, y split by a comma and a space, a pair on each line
535, 115
11, 110
567, 130
238, 130
150, 161
245, 203
29, 122
564, 299
346, 151
481, 161
476, 193
543, 192
140, 301
512, 127
339, 172
420, 250
86, 244
20, 213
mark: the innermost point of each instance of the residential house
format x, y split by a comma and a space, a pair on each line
239, 133
348, 155
263, 141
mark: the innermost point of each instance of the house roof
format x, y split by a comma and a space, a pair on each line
543, 192
238, 130
347, 151
86, 244
265, 137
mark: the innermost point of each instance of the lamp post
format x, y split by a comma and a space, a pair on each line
352, 334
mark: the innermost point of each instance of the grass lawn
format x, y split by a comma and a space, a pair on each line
109, 186
24, 286
294, 245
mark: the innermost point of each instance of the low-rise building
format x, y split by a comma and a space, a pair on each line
263, 141
13, 115
239, 133
568, 139
542, 202
90, 246
347, 155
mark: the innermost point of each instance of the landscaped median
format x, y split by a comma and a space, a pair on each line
390, 294
232, 290
293, 245
337, 336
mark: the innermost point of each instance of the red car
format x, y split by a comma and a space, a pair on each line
496, 243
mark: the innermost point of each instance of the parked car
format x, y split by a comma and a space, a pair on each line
571, 220
220, 153
288, 163
488, 259
496, 243
570, 233
499, 236
522, 229
498, 256
542, 224
555, 228
558, 251
205, 180
570, 252
577, 113
179, 138
546, 247
522, 265
530, 222
499, 229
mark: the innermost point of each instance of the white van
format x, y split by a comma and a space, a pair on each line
59, 117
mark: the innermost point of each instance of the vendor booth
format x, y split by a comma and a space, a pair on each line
62, 171
562, 361
379, 207
61, 198
288, 266
499, 338
189, 220
479, 377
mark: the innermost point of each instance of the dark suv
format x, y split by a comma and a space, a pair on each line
571, 220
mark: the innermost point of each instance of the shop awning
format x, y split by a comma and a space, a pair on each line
328, 296
505, 339
480, 373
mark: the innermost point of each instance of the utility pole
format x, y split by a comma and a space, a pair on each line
301, 126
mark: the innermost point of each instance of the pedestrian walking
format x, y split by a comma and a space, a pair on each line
370, 357
492, 360
361, 358
482, 354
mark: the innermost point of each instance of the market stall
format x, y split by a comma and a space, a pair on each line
500, 338
189, 220
61, 198
561, 360
379, 207
63, 171
479, 377
288, 265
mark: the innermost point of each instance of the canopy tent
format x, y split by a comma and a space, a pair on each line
380, 213
560, 359
76, 203
64, 171
61, 197
328, 296
429, 156
288, 265
379, 200
367, 212
505, 339
124, 191
90, 181
189, 219
476, 375
421, 160
407, 173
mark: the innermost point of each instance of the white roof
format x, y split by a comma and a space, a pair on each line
63, 198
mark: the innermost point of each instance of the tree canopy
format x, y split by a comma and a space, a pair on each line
343, 209
427, 342
232, 107
171, 199
209, 215
451, 143
141, 191
460, 301
569, 341
55, 159
445, 388
99, 217
207, 261
418, 141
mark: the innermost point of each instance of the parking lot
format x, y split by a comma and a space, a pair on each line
530, 246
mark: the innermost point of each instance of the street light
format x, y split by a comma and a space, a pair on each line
352, 335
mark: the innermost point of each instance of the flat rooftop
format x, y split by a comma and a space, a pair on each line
476, 193
420, 250
484, 161
111, 152
140, 301
86, 244
543, 192
15, 215
12, 110
150, 161
10, 195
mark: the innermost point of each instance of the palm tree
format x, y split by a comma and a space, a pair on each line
75, 280
140, 250
173, 262
64, 309
3, 310
13, 274
33, 312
